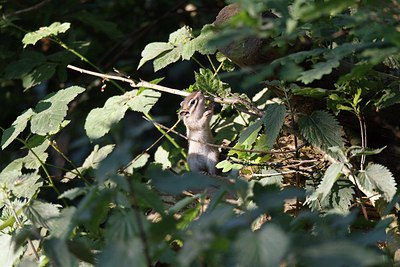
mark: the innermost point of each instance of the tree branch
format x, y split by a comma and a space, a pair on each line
249, 107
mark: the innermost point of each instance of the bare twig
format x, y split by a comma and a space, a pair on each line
249, 108
30, 9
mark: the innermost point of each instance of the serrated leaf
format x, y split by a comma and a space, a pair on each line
54, 29
273, 120
50, 112
378, 178
42, 213
142, 101
266, 247
97, 155
358, 151
138, 162
123, 253
25, 186
40, 74
100, 120
311, 92
318, 70
272, 177
121, 225
167, 58
331, 175
321, 129
153, 50
162, 156
36, 156
181, 36
7, 253
199, 44
249, 135
16, 128
28, 60
226, 166
73, 193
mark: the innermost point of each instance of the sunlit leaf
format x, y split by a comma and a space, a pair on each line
42, 213
38, 75
54, 29
16, 128
50, 112
142, 101
273, 120
330, 177
378, 178
249, 135
153, 50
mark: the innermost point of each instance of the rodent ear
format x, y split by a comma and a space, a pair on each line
182, 103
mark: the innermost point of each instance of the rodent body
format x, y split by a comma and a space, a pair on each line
201, 157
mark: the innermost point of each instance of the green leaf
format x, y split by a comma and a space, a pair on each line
137, 163
153, 50
311, 92
25, 185
51, 111
266, 247
121, 226
273, 120
123, 253
358, 151
389, 98
330, 177
73, 193
41, 213
167, 58
142, 101
56, 250
52, 30
200, 43
226, 166
28, 61
249, 135
321, 129
378, 178
100, 120
162, 156
7, 253
318, 70
181, 36
16, 128
272, 177
42, 73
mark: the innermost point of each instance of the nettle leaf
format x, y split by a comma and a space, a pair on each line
123, 253
100, 120
338, 200
40, 74
318, 70
321, 129
266, 247
16, 128
273, 120
51, 111
41, 213
142, 101
9, 254
378, 178
121, 225
249, 135
54, 29
330, 177
153, 50
24, 186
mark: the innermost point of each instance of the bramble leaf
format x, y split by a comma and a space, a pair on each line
153, 50
54, 29
16, 128
51, 111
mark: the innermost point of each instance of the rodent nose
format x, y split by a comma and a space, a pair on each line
184, 113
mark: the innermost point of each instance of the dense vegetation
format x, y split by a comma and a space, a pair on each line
93, 165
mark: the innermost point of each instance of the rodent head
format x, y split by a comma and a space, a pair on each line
193, 106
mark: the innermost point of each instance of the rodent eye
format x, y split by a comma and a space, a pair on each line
192, 102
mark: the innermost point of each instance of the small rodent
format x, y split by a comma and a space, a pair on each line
196, 117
